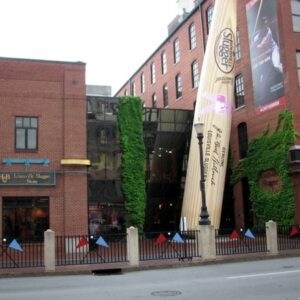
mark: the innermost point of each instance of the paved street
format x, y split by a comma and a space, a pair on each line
275, 279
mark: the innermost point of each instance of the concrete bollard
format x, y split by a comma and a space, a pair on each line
206, 242
271, 233
133, 246
49, 250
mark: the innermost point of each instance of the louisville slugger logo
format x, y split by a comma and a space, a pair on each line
224, 50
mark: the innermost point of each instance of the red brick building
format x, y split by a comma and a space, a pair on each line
43, 180
169, 76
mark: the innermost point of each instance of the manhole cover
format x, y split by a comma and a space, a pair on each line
166, 293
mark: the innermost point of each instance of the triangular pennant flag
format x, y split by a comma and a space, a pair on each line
160, 239
249, 234
234, 235
177, 238
101, 242
83, 242
15, 245
294, 231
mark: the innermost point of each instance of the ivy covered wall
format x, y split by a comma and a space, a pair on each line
270, 152
130, 125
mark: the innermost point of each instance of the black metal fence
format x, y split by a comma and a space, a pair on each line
288, 237
168, 245
241, 241
21, 254
75, 250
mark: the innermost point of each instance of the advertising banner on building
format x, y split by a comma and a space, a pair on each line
214, 109
267, 73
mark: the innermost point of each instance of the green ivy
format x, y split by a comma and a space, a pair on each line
270, 152
130, 125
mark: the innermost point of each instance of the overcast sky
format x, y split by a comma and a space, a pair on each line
113, 37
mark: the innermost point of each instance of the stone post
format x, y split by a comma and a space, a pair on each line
133, 246
271, 233
49, 250
206, 242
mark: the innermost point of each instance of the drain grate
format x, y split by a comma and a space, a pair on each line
166, 293
114, 271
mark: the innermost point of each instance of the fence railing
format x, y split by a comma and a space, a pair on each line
74, 250
288, 237
132, 247
168, 245
241, 241
21, 254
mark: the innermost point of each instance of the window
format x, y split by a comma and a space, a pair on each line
298, 65
296, 15
142, 83
164, 63
243, 139
165, 95
154, 100
153, 76
125, 93
238, 45
132, 92
195, 74
25, 218
26, 133
178, 83
192, 36
239, 91
176, 51
209, 15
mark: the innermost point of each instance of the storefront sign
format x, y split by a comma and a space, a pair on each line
27, 178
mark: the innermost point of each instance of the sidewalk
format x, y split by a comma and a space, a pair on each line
117, 268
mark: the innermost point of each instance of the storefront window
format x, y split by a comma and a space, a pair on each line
25, 218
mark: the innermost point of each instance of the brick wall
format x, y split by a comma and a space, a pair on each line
55, 93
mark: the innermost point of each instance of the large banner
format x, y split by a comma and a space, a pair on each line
267, 73
214, 109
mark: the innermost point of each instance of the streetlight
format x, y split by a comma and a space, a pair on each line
204, 216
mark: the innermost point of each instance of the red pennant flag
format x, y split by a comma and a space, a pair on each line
161, 238
234, 235
83, 242
294, 231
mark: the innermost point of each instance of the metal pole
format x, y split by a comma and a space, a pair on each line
204, 216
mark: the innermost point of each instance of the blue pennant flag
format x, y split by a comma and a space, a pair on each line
15, 245
249, 234
101, 242
177, 238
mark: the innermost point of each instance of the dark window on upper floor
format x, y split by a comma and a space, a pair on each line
295, 4
195, 74
243, 139
133, 88
153, 75
26, 133
298, 65
178, 83
209, 15
192, 36
238, 45
154, 100
165, 95
239, 92
164, 63
176, 50
142, 83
